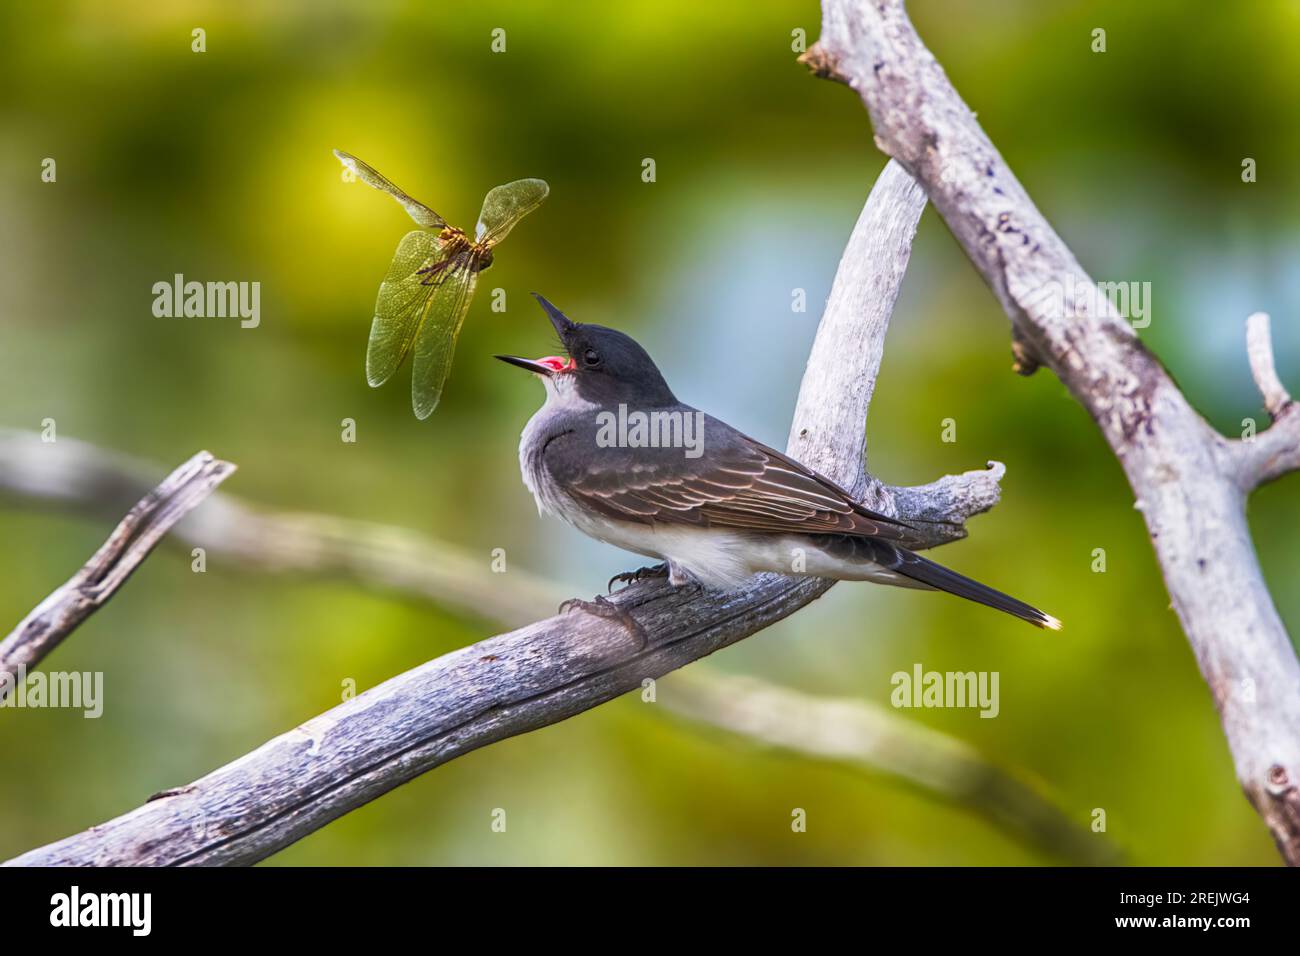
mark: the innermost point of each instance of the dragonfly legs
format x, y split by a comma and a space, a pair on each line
465, 261
433, 274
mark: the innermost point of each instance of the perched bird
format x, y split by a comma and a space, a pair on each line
614, 453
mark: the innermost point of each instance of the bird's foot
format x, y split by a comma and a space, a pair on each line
640, 574
601, 607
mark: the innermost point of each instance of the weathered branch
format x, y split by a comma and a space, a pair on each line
522, 680
1187, 478
1275, 452
126, 548
1259, 349
80, 476
83, 477
867, 736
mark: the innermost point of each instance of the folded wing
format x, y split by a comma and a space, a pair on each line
736, 483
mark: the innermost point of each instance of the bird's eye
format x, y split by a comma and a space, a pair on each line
590, 358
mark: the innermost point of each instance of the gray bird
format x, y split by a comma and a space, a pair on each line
614, 453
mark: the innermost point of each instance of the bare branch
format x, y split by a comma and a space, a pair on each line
81, 476
869, 737
1259, 349
126, 548
508, 684
1270, 454
827, 432
1185, 476
88, 478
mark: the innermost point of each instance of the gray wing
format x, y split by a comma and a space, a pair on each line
736, 483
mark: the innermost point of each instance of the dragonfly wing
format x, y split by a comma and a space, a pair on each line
505, 205
372, 177
401, 307
437, 341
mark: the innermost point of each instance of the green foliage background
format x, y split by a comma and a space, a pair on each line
218, 166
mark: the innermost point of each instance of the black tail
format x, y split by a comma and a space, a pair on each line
937, 576
859, 551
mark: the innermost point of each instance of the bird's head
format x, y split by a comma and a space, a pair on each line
604, 366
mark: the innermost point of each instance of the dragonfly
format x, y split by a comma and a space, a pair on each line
426, 294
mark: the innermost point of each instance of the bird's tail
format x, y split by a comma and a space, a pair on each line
930, 574
891, 564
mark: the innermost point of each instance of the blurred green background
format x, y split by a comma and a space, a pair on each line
218, 166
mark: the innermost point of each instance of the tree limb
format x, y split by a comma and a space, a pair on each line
126, 548
83, 477
866, 736
1259, 349
1275, 452
861, 735
1189, 481
537, 675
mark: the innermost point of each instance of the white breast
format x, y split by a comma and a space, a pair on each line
562, 402
716, 559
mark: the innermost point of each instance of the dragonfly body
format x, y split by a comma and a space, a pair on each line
426, 294
457, 251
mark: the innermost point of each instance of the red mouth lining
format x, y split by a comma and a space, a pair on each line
556, 364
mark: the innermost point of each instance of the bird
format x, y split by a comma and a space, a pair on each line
613, 452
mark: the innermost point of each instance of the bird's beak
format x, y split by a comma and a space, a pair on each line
546, 367
558, 319
551, 364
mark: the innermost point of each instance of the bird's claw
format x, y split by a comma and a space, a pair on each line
601, 607
640, 574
